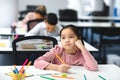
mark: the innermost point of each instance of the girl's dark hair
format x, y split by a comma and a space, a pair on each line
75, 30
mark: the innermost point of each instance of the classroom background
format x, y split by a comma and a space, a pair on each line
11, 9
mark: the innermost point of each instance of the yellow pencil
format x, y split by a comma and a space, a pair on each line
28, 64
59, 59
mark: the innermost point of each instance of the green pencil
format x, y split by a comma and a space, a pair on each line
47, 78
101, 77
85, 78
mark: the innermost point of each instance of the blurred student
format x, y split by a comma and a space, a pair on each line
49, 27
39, 13
71, 52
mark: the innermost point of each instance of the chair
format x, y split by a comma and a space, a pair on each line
32, 23
31, 47
108, 32
103, 13
31, 8
68, 15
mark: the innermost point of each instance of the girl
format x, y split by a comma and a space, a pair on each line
71, 51
39, 13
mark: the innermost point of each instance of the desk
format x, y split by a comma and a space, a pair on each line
99, 18
6, 51
90, 24
6, 46
7, 31
109, 72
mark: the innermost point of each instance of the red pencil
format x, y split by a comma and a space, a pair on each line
22, 68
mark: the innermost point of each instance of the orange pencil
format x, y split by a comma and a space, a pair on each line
59, 59
56, 76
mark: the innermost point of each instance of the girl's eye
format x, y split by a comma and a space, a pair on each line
63, 38
71, 36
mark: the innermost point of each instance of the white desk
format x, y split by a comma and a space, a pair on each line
7, 31
5, 46
109, 72
90, 24
98, 18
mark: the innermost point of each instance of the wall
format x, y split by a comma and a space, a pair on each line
52, 5
8, 12
9, 8
117, 5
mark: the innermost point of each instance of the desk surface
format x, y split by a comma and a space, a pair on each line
90, 24
98, 18
7, 31
5, 45
109, 72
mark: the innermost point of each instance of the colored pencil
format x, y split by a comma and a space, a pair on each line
48, 78
85, 78
56, 76
15, 69
101, 77
27, 66
22, 68
59, 59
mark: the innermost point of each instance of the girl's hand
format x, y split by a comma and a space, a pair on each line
78, 43
63, 68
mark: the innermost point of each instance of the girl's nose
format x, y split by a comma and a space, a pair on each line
66, 39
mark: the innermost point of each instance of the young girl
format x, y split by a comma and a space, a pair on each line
71, 51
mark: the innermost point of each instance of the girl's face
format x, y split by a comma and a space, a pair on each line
68, 39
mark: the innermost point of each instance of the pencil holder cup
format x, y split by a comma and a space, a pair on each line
18, 77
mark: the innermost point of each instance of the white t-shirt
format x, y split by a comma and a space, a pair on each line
40, 29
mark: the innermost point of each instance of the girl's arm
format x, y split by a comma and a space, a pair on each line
56, 67
28, 17
90, 62
43, 62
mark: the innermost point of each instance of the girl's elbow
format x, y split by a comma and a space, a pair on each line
91, 67
35, 64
